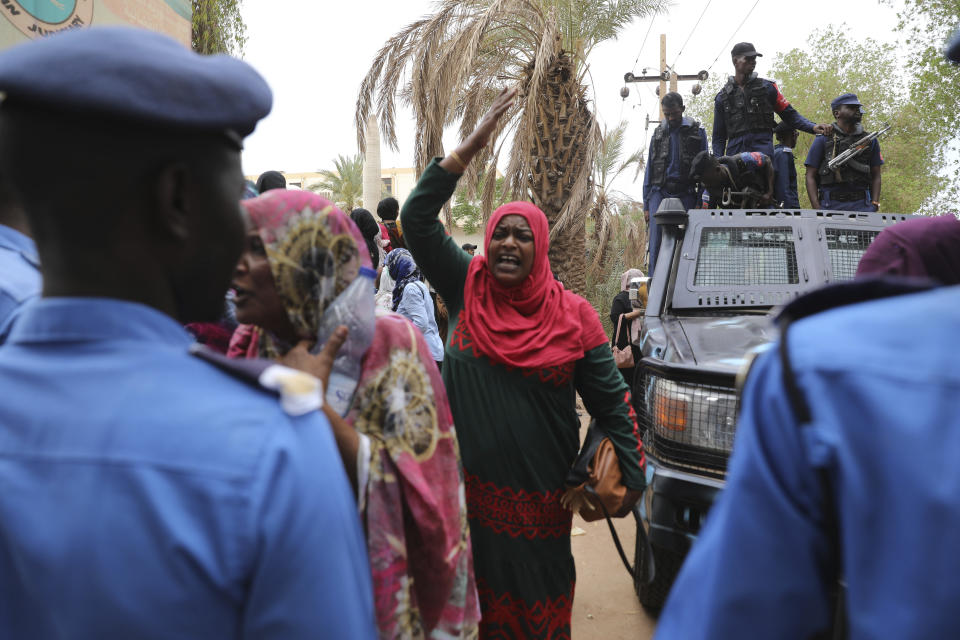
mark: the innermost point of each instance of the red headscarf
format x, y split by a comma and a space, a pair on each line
536, 324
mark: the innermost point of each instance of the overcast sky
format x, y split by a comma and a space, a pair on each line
315, 54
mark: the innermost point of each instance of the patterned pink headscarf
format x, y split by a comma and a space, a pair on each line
314, 253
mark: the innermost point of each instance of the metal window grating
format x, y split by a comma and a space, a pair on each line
686, 425
746, 256
845, 248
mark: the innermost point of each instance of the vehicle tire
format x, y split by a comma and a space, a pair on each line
666, 565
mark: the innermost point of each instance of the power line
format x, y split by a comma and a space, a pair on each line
684, 46
733, 34
649, 28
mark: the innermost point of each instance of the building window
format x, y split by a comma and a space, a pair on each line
387, 186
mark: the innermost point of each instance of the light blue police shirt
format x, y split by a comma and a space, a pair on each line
146, 494
883, 386
19, 276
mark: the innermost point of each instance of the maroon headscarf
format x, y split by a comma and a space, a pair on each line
536, 324
922, 247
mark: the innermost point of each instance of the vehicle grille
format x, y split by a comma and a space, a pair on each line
687, 425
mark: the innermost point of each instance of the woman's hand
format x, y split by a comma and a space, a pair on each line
318, 365
460, 157
488, 123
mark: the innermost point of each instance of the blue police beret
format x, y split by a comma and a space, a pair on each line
137, 75
846, 98
952, 50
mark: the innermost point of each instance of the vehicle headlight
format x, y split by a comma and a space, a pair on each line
696, 415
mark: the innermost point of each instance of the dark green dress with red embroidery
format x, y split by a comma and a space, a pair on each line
519, 433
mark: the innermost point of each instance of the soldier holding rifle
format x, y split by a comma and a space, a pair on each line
850, 183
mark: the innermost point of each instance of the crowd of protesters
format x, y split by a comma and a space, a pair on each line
171, 463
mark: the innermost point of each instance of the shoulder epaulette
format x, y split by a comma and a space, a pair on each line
298, 392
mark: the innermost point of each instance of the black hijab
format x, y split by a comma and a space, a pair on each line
369, 228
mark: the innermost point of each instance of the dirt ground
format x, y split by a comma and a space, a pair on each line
604, 603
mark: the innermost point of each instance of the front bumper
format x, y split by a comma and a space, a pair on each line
677, 504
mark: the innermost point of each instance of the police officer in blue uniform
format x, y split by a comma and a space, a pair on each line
845, 463
675, 143
743, 109
19, 265
145, 492
856, 185
784, 169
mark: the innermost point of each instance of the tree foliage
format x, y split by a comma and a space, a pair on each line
608, 165
917, 170
461, 56
344, 181
467, 211
218, 27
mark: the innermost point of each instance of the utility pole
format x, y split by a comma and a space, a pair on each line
666, 75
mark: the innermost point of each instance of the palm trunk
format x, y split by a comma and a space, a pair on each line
563, 124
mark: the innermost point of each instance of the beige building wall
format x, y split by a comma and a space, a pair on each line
398, 182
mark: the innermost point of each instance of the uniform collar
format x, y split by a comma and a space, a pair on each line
685, 122
96, 319
12, 239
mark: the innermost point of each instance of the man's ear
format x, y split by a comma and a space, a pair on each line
171, 187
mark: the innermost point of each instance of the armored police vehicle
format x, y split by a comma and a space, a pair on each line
719, 276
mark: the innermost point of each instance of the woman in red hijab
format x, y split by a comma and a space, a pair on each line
519, 350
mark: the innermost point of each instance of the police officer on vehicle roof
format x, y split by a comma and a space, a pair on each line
784, 169
845, 464
146, 492
856, 185
676, 141
743, 110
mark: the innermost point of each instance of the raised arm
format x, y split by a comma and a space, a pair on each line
791, 116
443, 262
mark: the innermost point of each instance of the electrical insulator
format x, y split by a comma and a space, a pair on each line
703, 75
696, 89
657, 91
625, 92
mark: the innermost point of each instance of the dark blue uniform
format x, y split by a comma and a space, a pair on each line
756, 133
675, 184
784, 177
852, 195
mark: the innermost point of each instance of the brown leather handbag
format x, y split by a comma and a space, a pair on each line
623, 357
595, 484
596, 490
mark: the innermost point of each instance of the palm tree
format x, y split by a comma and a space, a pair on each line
345, 181
607, 166
461, 57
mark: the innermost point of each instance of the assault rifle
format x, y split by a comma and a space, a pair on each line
855, 149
